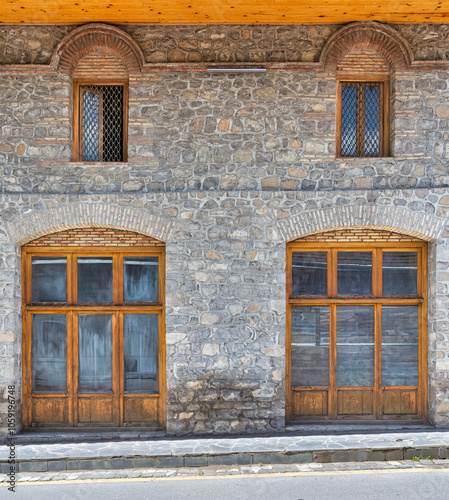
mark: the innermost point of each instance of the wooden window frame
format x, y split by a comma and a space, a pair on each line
384, 135
295, 396
77, 115
66, 403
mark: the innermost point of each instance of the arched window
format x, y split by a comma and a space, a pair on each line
94, 345
356, 339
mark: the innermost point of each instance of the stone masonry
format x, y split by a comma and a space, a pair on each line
225, 169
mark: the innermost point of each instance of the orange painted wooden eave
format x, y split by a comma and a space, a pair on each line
204, 12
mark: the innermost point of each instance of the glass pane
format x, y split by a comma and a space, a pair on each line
309, 273
95, 279
310, 346
400, 273
49, 352
141, 279
95, 353
141, 350
400, 345
372, 119
354, 273
48, 279
349, 120
90, 124
355, 346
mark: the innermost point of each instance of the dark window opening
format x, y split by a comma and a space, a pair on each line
101, 123
362, 129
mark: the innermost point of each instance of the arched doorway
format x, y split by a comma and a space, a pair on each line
357, 327
94, 329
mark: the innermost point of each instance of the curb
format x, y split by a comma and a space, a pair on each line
249, 458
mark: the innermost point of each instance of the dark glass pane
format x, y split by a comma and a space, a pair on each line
49, 352
349, 120
400, 273
372, 119
95, 353
354, 273
400, 345
309, 273
48, 279
141, 341
355, 346
360, 118
94, 279
90, 124
101, 122
141, 279
310, 346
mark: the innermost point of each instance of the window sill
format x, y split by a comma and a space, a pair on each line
98, 163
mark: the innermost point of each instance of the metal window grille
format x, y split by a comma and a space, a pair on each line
361, 119
101, 122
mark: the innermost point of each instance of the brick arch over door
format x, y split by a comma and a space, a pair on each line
396, 219
77, 215
386, 41
97, 37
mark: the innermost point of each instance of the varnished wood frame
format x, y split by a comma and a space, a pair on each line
384, 135
72, 310
377, 300
76, 132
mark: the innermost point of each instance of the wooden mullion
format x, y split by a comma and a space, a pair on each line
377, 272
71, 394
121, 364
360, 120
332, 361
76, 112
75, 365
288, 340
115, 375
423, 336
377, 399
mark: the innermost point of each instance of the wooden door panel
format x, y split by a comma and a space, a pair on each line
140, 410
400, 402
95, 410
310, 403
357, 402
49, 410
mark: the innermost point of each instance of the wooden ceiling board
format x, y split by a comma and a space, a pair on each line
222, 11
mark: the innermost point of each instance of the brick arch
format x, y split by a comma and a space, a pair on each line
386, 41
40, 223
96, 37
396, 219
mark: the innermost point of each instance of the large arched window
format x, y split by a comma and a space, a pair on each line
94, 348
356, 338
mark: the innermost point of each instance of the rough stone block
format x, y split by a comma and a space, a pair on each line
279, 458
261, 459
119, 463
56, 465
86, 464
33, 467
170, 462
221, 460
300, 458
144, 462
195, 461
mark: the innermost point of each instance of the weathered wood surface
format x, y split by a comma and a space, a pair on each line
222, 12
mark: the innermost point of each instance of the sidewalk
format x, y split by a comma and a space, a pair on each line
229, 470
317, 444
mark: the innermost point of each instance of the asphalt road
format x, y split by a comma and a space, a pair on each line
406, 484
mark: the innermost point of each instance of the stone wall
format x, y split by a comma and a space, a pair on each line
190, 130
216, 43
225, 169
225, 289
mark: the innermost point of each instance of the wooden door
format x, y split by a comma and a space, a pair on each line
94, 349
356, 336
